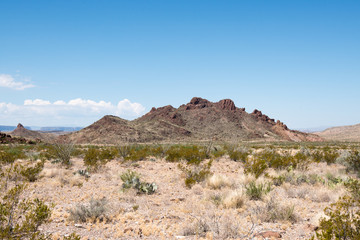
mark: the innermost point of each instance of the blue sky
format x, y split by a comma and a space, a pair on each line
71, 62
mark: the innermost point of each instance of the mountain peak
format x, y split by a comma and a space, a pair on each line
227, 104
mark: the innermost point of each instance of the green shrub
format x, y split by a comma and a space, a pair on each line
95, 210
32, 173
17, 151
195, 173
342, 222
93, 160
217, 152
6, 157
353, 163
239, 155
124, 151
301, 160
256, 166
191, 154
20, 217
353, 186
108, 153
257, 191
326, 155
138, 154
158, 151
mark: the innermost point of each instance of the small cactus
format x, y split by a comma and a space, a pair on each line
132, 180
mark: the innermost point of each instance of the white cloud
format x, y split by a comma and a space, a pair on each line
8, 81
79, 112
36, 102
125, 106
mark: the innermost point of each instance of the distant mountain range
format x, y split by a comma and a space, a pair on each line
198, 120
343, 133
4, 128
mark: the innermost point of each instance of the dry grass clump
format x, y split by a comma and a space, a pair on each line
274, 211
234, 199
294, 192
213, 226
217, 181
96, 209
319, 195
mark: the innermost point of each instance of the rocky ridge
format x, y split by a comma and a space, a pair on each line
198, 120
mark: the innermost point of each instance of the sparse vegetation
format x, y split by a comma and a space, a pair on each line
95, 210
274, 211
20, 217
31, 173
62, 152
195, 172
256, 191
283, 168
94, 159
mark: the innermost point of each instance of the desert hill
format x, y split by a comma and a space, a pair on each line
21, 131
7, 139
198, 120
343, 133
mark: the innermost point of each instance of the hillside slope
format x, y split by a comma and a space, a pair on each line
198, 120
21, 131
343, 133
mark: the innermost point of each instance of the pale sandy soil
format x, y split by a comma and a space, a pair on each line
174, 210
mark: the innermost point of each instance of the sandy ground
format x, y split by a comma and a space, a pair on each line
174, 211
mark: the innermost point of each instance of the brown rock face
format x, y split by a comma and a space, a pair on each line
6, 139
227, 104
198, 103
262, 117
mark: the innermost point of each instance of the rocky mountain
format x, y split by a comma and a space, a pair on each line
344, 133
198, 120
21, 131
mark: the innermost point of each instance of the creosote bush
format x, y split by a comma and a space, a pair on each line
20, 217
343, 217
343, 220
31, 173
263, 160
93, 160
195, 172
191, 154
325, 155
6, 157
